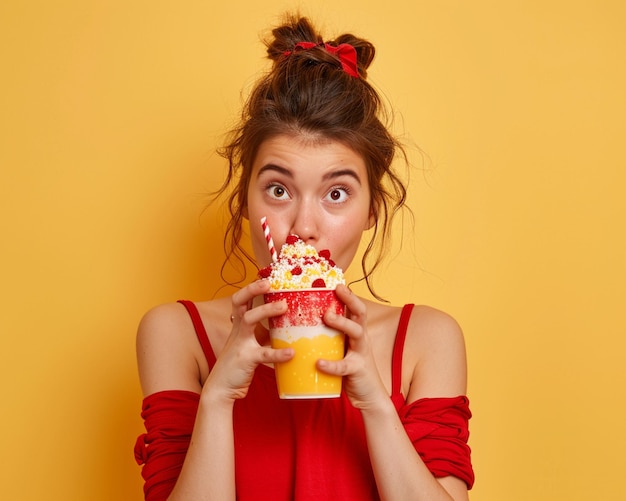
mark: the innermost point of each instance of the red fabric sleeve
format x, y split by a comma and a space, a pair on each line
438, 428
169, 418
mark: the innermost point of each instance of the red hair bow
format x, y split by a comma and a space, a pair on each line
345, 52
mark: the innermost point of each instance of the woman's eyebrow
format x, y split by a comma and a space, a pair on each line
275, 168
342, 172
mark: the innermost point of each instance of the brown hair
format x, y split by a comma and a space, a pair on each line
306, 93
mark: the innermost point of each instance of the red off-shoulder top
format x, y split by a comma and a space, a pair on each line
300, 450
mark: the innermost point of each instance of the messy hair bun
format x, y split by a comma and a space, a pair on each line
297, 30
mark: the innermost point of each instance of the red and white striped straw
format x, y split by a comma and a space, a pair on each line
268, 238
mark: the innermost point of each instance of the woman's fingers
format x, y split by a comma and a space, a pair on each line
269, 355
357, 311
343, 367
349, 327
358, 364
264, 311
242, 310
354, 324
242, 299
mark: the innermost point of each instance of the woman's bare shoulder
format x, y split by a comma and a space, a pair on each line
432, 325
435, 349
167, 350
162, 318
426, 324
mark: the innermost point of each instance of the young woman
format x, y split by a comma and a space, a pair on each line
313, 156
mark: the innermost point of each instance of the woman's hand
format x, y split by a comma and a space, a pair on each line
242, 353
362, 383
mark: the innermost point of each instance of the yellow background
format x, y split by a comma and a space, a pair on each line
110, 112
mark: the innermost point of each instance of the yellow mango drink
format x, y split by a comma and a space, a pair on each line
306, 280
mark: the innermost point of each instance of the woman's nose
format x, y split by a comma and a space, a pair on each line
306, 222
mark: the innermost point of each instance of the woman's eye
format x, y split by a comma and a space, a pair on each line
338, 195
277, 191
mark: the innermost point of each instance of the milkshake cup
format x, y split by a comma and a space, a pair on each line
303, 329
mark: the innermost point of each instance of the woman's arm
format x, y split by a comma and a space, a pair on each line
400, 472
166, 361
440, 371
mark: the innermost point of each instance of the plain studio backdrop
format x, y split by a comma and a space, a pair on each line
109, 117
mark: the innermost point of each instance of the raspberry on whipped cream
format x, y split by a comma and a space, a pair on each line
301, 266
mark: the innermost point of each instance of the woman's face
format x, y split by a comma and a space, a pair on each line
318, 191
